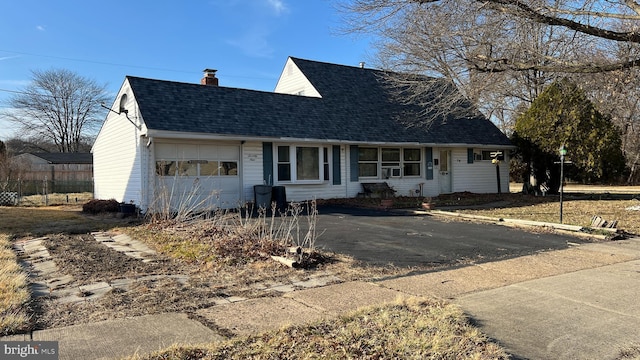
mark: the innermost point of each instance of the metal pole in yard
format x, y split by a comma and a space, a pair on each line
496, 160
563, 152
46, 195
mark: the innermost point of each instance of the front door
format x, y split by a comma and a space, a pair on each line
445, 172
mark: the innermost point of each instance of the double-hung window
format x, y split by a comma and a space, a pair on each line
390, 162
368, 162
302, 163
411, 162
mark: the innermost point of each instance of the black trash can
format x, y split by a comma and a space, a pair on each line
262, 196
280, 198
127, 209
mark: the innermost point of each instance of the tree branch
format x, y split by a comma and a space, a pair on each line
488, 65
525, 10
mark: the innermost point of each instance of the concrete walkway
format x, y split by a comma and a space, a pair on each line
577, 303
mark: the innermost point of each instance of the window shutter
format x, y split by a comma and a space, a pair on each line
429, 159
353, 157
337, 176
267, 162
469, 155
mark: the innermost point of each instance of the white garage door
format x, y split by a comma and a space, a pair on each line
197, 176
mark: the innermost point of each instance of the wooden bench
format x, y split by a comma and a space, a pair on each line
377, 190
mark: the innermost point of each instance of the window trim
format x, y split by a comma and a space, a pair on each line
393, 167
485, 154
293, 165
376, 162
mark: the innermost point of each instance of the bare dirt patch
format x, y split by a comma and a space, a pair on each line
88, 261
208, 283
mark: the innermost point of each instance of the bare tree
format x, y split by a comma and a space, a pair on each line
446, 39
601, 22
58, 107
499, 53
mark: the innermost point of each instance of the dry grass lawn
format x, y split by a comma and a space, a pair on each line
56, 199
411, 329
14, 292
576, 210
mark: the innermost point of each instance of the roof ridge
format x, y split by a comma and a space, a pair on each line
198, 85
340, 65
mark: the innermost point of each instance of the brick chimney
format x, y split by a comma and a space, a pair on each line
209, 78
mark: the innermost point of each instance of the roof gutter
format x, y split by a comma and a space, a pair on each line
178, 135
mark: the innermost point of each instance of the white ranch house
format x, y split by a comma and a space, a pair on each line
324, 131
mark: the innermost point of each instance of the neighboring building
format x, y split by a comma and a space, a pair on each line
325, 130
63, 172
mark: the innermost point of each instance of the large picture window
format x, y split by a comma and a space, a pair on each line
302, 163
196, 168
384, 163
307, 163
196, 160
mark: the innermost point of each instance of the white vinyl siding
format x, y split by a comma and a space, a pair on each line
479, 176
292, 81
251, 168
117, 158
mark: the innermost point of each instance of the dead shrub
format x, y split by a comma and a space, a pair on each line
95, 207
238, 237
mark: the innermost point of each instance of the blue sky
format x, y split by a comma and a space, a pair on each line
247, 41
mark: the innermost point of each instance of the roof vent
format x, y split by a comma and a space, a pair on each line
209, 78
361, 64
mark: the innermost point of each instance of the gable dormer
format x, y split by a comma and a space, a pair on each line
292, 81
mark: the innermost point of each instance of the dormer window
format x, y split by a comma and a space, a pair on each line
123, 104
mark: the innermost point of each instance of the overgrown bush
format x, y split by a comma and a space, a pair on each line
101, 206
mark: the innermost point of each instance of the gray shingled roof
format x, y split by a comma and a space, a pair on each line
66, 158
355, 106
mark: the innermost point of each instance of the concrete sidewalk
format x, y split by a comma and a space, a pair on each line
590, 314
577, 303
115, 339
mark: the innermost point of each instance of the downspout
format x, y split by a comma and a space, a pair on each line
150, 176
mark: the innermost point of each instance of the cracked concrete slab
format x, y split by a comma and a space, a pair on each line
115, 339
345, 297
262, 314
563, 317
318, 281
127, 245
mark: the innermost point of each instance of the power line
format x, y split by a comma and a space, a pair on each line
95, 62
13, 91
120, 65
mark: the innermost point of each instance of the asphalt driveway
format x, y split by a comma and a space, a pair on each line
403, 239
